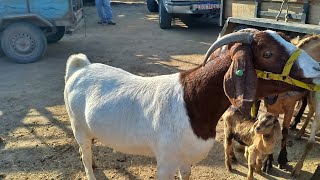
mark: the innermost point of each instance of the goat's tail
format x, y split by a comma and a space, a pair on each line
74, 63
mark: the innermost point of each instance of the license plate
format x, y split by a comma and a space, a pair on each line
206, 6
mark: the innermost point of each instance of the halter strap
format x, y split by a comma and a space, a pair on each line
284, 76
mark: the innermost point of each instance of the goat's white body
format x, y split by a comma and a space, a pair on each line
133, 114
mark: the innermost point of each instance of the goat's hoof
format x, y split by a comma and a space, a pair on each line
250, 178
298, 137
293, 127
229, 169
267, 169
282, 166
258, 171
285, 167
94, 166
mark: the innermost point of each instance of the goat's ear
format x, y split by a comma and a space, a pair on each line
240, 81
295, 40
284, 36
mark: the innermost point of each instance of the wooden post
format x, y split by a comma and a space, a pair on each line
257, 9
304, 17
28, 6
221, 20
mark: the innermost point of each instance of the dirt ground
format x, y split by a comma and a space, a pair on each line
37, 141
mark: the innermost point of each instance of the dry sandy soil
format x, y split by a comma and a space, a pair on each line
37, 141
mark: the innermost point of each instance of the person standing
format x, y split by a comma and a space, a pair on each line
104, 12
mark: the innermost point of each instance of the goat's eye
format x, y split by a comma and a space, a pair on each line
267, 54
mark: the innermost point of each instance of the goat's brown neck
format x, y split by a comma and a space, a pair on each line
204, 96
269, 87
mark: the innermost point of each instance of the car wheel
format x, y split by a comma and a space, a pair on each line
164, 17
1, 51
152, 6
53, 38
23, 42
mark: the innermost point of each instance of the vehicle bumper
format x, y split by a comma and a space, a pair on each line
190, 7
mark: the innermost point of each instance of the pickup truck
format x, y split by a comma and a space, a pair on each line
26, 26
169, 9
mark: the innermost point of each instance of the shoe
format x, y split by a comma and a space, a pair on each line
111, 23
101, 22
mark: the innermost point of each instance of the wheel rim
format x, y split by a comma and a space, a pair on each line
22, 44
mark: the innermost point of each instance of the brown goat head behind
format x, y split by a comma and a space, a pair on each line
266, 51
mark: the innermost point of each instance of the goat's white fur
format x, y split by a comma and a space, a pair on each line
315, 106
132, 114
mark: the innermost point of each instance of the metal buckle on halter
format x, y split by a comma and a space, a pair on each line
284, 78
267, 75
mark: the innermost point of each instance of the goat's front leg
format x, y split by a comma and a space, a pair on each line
259, 164
282, 158
252, 156
228, 149
314, 127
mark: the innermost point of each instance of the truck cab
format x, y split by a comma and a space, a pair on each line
170, 8
26, 26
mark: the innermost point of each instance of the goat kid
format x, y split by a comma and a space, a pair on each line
259, 136
174, 117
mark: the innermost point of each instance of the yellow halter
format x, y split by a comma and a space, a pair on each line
284, 77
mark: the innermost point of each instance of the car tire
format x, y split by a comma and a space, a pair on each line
1, 51
23, 42
152, 6
164, 17
53, 38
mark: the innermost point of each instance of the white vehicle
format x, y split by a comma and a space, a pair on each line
170, 8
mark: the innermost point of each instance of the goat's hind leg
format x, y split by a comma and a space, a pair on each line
185, 172
166, 169
305, 124
297, 119
85, 143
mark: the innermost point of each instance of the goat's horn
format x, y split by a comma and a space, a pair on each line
237, 37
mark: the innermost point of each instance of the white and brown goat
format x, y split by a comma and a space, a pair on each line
174, 117
259, 136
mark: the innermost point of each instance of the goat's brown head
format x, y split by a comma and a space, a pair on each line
261, 50
267, 124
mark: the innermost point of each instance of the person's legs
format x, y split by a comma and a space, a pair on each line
107, 10
99, 6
